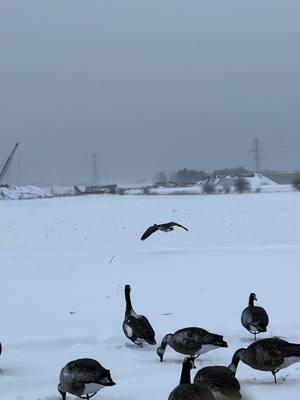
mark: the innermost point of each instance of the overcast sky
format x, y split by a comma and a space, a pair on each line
147, 85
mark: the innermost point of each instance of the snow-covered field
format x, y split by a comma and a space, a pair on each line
64, 263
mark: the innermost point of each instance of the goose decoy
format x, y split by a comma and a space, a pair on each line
187, 390
220, 380
191, 342
168, 227
269, 355
254, 318
83, 378
136, 327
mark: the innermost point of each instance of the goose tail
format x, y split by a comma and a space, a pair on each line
293, 350
218, 340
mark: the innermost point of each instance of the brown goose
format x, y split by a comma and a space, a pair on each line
136, 327
191, 341
168, 227
83, 378
269, 355
254, 318
187, 390
220, 380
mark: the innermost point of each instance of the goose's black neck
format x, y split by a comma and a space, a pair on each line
128, 299
186, 372
251, 299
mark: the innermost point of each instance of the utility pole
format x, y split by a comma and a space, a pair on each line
256, 150
95, 168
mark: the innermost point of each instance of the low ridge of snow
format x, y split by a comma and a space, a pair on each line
21, 192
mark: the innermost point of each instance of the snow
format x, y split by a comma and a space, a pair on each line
21, 192
65, 261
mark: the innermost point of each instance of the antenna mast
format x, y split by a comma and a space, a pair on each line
8, 162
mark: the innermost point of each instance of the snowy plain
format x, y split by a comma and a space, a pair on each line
64, 264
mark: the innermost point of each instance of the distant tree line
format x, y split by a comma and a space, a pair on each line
186, 176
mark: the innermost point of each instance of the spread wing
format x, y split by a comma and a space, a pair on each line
175, 224
149, 232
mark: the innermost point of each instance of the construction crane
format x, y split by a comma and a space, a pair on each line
8, 162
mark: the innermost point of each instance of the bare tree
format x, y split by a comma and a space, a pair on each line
226, 187
208, 188
296, 184
241, 185
161, 177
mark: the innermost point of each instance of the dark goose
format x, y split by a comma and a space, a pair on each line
191, 341
220, 380
136, 327
83, 378
168, 227
254, 318
187, 390
269, 355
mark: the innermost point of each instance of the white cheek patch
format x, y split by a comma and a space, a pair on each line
128, 330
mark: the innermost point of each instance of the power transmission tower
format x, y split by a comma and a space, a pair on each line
95, 168
256, 150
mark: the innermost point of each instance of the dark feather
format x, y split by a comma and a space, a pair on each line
141, 328
219, 379
149, 232
175, 224
190, 391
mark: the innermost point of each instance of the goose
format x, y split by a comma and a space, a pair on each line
187, 390
269, 355
168, 227
220, 380
83, 378
191, 341
136, 327
254, 318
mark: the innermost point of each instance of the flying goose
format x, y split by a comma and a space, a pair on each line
269, 355
254, 318
187, 390
220, 380
168, 227
191, 341
136, 327
83, 378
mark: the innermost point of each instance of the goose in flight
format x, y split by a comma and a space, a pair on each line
168, 227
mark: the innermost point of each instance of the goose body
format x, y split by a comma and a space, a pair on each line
191, 341
83, 377
187, 390
254, 318
270, 355
219, 380
168, 227
136, 327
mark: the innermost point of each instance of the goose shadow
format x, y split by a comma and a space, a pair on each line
146, 347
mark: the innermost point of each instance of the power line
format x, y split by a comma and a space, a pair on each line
95, 168
256, 150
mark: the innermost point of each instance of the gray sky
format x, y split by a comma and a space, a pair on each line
148, 85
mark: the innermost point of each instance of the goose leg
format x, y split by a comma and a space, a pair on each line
254, 336
274, 375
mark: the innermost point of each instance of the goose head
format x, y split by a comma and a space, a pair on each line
162, 348
61, 391
107, 381
253, 296
187, 365
236, 359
